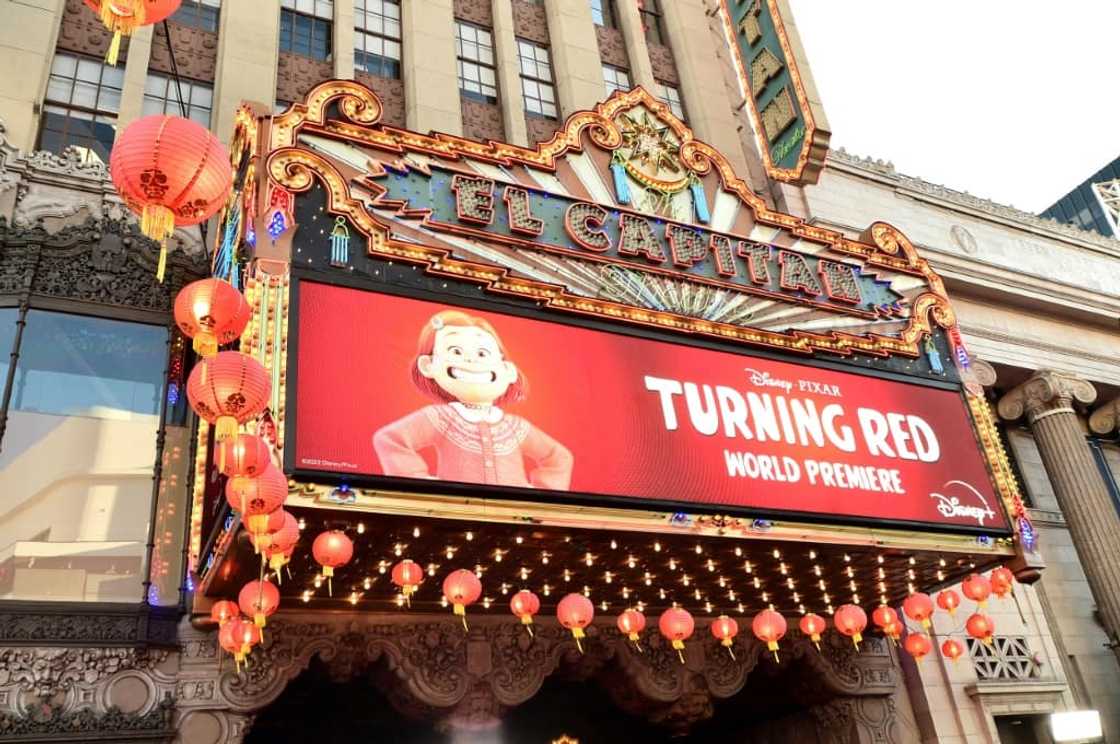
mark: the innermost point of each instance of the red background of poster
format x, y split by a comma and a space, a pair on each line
587, 390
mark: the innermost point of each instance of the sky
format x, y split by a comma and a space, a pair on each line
1017, 102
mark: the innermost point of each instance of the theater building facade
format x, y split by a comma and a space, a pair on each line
646, 349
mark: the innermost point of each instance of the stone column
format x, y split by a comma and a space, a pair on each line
630, 23
248, 47
1047, 400
700, 57
343, 40
431, 79
509, 74
575, 56
136, 77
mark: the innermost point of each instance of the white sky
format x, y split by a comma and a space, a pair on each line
1012, 101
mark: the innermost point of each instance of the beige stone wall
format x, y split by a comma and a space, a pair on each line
431, 90
248, 45
27, 38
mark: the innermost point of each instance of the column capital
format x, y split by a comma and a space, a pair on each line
1106, 417
985, 372
1046, 392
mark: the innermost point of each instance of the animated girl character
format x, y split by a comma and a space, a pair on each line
462, 364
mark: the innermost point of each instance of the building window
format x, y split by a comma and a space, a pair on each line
615, 78
305, 27
199, 14
161, 96
377, 37
475, 49
536, 79
602, 12
672, 98
650, 11
80, 107
79, 448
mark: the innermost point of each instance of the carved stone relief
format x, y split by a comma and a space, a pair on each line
391, 93
482, 121
541, 128
612, 47
475, 11
196, 52
664, 67
296, 75
82, 32
530, 22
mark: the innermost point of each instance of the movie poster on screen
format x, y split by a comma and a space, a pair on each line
428, 391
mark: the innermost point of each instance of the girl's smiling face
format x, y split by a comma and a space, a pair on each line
466, 362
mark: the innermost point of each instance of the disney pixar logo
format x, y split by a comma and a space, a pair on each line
951, 506
764, 379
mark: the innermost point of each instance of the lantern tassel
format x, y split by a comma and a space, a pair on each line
635, 637
726, 643
856, 638
461, 611
407, 592
817, 643
578, 633
205, 344
225, 428
773, 646
527, 621
161, 267
114, 48
679, 646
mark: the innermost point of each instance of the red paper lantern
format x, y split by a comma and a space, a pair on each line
278, 558
244, 454
277, 522
632, 623
407, 575
676, 625
813, 625
887, 619
211, 312
1002, 581
255, 499
980, 627
258, 600
122, 17
769, 627
223, 611
462, 588
575, 612
952, 649
227, 390
919, 608
949, 601
238, 638
172, 172
977, 588
725, 629
524, 605
332, 549
917, 645
851, 621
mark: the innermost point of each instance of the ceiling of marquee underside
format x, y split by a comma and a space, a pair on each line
706, 575
586, 176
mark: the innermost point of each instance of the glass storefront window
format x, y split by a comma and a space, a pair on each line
77, 457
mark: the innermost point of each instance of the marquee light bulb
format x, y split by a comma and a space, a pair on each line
847, 558
519, 539
547, 590
469, 536
656, 547
789, 583
361, 528
777, 554
879, 558
443, 602
524, 573
684, 579
738, 552
353, 598
765, 596
497, 555
855, 599
796, 597
816, 569
303, 525
589, 560
731, 595
607, 577
739, 607
398, 550
722, 582
544, 558
747, 567
614, 546
850, 572
912, 561
757, 583
812, 555
567, 575
318, 581
306, 595
625, 592
366, 584
711, 566
707, 607
416, 532
661, 593
486, 603
505, 588
672, 565
450, 553
431, 569
382, 566
630, 562
782, 568
699, 550
604, 605
697, 595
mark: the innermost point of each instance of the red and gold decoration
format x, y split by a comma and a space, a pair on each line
981, 627
333, 549
227, 390
851, 621
769, 627
238, 637
462, 588
813, 625
258, 600
724, 629
631, 623
256, 498
949, 600
1003, 581
917, 645
123, 17
676, 625
575, 612
977, 588
278, 546
524, 604
952, 649
223, 611
212, 313
886, 619
172, 172
919, 608
407, 575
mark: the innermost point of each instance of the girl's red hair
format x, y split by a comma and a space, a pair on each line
426, 344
